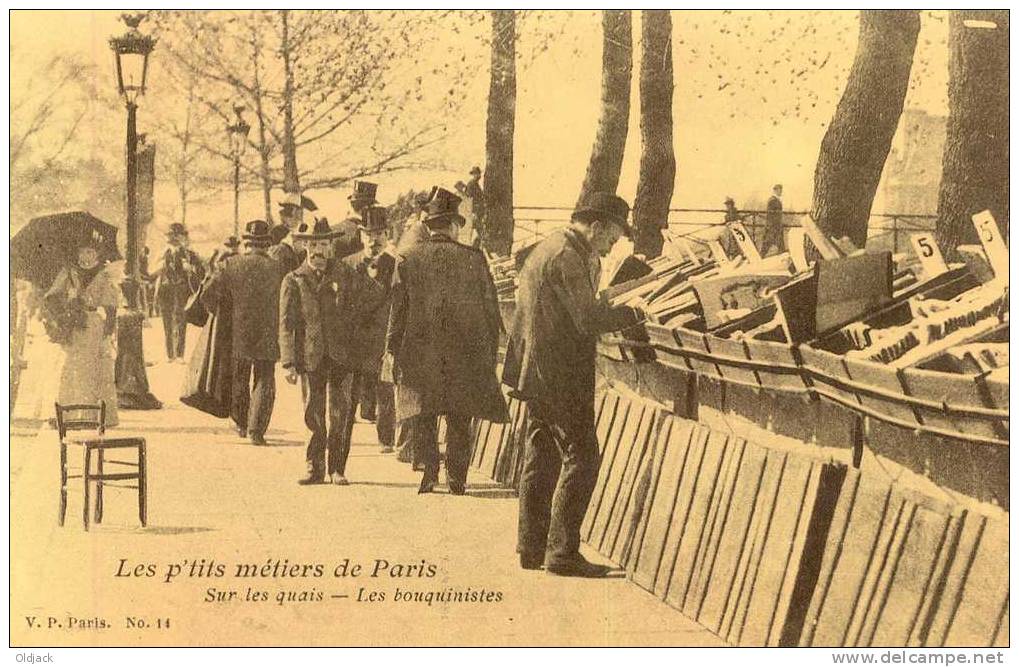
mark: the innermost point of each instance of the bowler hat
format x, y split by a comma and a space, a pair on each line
298, 201
231, 242
476, 170
256, 233
373, 219
320, 231
364, 191
442, 208
177, 229
606, 207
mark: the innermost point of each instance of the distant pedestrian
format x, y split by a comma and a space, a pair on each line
251, 283
550, 363
348, 231
474, 231
181, 273
774, 238
286, 249
226, 251
443, 339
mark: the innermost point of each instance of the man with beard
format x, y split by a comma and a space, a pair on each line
443, 339
550, 363
348, 232
322, 304
181, 273
251, 282
286, 248
376, 264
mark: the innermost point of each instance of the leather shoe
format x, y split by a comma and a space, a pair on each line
257, 439
456, 487
429, 481
338, 479
313, 477
386, 450
531, 562
241, 431
579, 567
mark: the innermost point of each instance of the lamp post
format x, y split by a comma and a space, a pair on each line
238, 142
131, 57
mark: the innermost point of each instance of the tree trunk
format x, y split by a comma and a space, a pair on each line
657, 157
974, 173
855, 147
617, 68
502, 101
265, 172
291, 182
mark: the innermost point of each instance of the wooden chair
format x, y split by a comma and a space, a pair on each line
85, 426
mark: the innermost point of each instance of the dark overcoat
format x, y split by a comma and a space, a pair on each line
370, 331
347, 238
284, 253
320, 318
252, 284
444, 333
550, 353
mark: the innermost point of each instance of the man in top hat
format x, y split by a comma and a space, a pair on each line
550, 363
443, 339
375, 263
348, 232
285, 248
322, 305
180, 274
252, 284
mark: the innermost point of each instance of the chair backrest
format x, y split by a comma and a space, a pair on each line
80, 417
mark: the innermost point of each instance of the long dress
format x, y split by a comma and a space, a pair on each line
207, 384
87, 375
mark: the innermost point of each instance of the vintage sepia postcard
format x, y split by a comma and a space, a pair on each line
510, 328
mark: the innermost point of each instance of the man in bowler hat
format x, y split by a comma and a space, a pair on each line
376, 263
348, 232
285, 247
550, 363
322, 305
442, 343
251, 283
181, 273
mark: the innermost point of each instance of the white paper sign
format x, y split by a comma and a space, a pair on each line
994, 245
930, 255
745, 243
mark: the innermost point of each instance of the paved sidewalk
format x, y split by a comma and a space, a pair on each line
216, 499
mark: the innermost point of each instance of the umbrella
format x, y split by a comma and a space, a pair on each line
49, 243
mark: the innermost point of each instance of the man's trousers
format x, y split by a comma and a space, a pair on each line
253, 394
171, 308
329, 394
378, 402
561, 461
424, 438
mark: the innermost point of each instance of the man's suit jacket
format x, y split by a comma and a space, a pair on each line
251, 283
370, 335
550, 353
320, 317
444, 333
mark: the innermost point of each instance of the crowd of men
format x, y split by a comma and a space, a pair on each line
409, 330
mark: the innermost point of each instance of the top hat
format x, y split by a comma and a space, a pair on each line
298, 201
442, 208
177, 229
256, 233
231, 242
373, 219
606, 207
319, 232
421, 199
364, 192
476, 170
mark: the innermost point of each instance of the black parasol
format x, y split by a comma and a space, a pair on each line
49, 243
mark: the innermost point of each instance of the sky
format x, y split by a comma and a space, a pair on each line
754, 91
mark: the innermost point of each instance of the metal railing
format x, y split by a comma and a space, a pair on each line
535, 222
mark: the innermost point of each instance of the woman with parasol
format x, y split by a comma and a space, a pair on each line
83, 301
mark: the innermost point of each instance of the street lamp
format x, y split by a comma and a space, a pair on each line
238, 143
131, 56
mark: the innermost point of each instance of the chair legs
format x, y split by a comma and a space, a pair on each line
142, 481
87, 483
99, 487
63, 484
